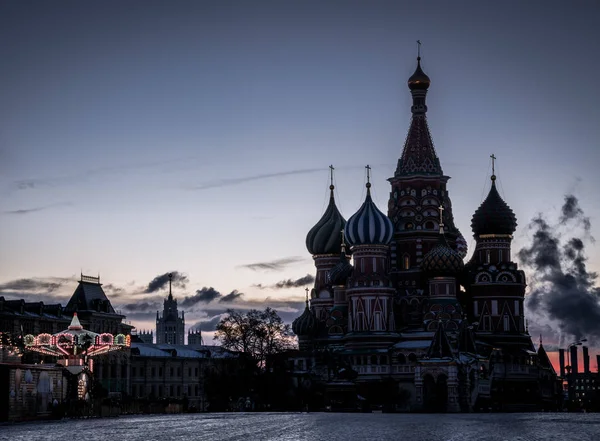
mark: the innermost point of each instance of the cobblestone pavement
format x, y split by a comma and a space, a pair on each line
316, 427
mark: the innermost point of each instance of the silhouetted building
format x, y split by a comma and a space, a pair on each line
195, 337
146, 336
394, 302
170, 327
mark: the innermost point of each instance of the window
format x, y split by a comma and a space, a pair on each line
506, 323
517, 307
488, 256
476, 307
494, 307
374, 264
406, 262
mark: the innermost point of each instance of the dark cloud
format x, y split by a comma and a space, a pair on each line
204, 295
147, 305
34, 285
231, 297
35, 209
273, 265
208, 324
289, 283
563, 289
236, 181
159, 282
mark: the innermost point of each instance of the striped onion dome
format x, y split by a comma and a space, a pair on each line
324, 237
369, 226
494, 216
442, 260
307, 324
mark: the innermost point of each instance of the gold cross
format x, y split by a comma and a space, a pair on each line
493, 163
441, 209
306, 289
368, 167
331, 169
419, 48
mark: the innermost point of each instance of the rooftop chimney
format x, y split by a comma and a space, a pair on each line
561, 358
574, 364
586, 360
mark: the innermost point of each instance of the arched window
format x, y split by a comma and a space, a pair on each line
406, 262
429, 225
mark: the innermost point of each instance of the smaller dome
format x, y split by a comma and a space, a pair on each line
307, 324
442, 260
461, 246
340, 272
418, 80
494, 216
369, 226
324, 237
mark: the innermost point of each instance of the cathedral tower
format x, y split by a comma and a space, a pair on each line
418, 188
369, 292
323, 242
496, 287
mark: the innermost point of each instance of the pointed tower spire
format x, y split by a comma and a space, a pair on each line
170, 281
419, 156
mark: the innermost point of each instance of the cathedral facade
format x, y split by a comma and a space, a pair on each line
396, 306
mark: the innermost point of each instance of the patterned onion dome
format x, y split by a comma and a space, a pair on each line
324, 237
419, 80
369, 226
307, 324
340, 272
494, 216
442, 260
461, 246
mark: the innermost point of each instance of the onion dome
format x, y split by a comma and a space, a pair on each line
418, 80
442, 260
494, 216
323, 238
307, 324
461, 245
341, 271
369, 226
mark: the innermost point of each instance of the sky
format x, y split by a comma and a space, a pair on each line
143, 137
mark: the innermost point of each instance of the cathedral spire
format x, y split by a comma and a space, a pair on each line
419, 156
170, 280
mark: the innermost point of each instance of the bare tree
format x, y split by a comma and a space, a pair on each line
257, 333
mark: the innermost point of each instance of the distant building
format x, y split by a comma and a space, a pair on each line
89, 301
195, 337
146, 336
177, 372
170, 327
94, 310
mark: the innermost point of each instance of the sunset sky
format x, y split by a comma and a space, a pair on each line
142, 137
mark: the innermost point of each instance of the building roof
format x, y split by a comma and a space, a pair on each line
181, 351
440, 345
89, 296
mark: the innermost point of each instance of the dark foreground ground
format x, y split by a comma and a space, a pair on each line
317, 427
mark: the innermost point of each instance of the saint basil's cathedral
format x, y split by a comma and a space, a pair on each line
408, 323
